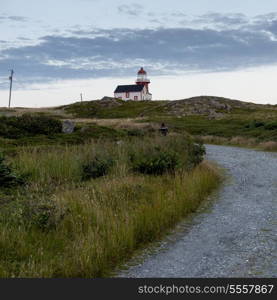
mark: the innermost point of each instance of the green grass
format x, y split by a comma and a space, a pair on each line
59, 225
80, 136
120, 109
226, 127
200, 116
192, 115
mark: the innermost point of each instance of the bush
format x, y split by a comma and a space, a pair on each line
44, 214
97, 168
166, 155
156, 163
196, 154
7, 177
271, 126
34, 210
255, 124
29, 125
135, 132
40, 124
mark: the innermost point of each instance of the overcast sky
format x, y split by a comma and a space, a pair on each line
59, 49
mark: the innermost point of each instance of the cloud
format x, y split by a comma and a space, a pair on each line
266, 22
13, 18
119, 52
134, 9
217, 19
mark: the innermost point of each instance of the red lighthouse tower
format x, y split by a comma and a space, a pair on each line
142, 79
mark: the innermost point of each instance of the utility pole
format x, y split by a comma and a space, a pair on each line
81, 95
11, 85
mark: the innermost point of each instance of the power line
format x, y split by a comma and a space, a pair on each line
11, 84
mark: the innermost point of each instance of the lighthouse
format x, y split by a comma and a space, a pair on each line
142, 79
138, 91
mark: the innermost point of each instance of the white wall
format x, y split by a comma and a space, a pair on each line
143, 95
131, 96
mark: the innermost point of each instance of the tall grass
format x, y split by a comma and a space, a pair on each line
61, 226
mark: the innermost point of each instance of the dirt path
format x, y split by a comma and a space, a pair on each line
236, 236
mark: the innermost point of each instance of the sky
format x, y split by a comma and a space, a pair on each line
59, 49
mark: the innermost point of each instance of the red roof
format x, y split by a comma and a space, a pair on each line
141, 71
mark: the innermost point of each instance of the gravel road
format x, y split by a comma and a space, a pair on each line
233, 235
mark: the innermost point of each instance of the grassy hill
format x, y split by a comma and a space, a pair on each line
212, 107
215, 119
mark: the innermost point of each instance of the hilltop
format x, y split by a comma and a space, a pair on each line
109, 107
213, 107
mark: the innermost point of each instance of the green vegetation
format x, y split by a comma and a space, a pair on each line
77, 205
227, 127
201, 116
271, 126
112, 109
98, 167
39, 129
168, 157
80, 136
204, 116
8, 178
28, 125
61, 223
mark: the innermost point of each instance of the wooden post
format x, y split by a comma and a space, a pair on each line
11, 84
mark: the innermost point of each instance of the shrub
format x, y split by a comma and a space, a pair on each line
159, 156
40, 124
42, 213
196, 154
29, 125
97, 168
7, 177
34, 210
135, 132
271, 126
255, 124
156, 163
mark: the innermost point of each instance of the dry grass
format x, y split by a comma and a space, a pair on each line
240, 141
268, 146
211, 139
19, 111
236, 140
95, 224
126, 123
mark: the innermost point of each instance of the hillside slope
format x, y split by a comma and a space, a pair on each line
216, 119
108, 107
213, 107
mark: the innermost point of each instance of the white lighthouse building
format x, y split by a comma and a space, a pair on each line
138, 91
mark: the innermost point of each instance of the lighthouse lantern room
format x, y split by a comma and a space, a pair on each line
138, 91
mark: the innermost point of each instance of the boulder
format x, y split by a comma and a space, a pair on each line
68, 126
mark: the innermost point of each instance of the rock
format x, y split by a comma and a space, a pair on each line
68, 126
110, 102
107, 98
